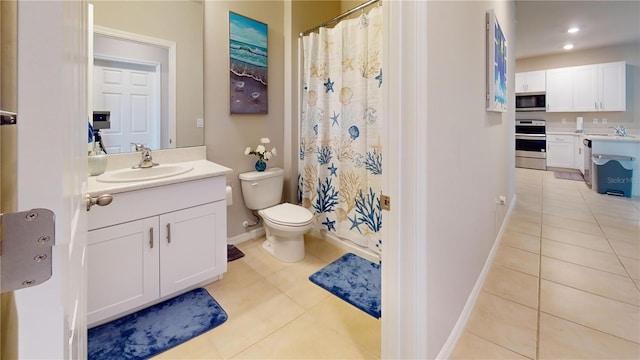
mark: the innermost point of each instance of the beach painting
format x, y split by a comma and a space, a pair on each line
496, 65
248, 65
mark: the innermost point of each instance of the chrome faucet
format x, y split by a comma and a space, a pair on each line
619, 130
147, 160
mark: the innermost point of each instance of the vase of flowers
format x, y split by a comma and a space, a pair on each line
262, 153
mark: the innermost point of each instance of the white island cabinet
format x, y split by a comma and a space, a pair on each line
153, 243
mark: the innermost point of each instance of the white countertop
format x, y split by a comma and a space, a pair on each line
194, 157
201, 169
598, 136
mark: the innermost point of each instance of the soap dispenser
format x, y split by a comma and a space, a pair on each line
97, 157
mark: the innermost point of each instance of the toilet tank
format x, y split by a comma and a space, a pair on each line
262, 189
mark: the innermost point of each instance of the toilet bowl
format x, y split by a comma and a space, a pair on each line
285, 224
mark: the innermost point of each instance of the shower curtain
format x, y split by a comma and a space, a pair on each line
340, 166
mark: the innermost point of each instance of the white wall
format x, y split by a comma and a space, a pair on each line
470, 157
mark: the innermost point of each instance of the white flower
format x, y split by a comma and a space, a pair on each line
265, 140
260, 149
273, 151
267, 155
247, 151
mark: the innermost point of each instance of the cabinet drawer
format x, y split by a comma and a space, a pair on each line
157, 200
560, 138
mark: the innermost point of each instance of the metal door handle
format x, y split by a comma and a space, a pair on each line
169, 233
151, 238
101, 200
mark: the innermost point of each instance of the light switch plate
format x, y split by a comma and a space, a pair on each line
200, 122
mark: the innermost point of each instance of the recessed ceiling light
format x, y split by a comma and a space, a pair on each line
573, 30
568, 47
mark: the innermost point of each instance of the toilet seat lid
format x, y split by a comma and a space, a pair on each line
288, 214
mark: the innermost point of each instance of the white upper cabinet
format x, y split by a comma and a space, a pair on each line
559, 90
599, 87
612, 87
530, 82
585, 88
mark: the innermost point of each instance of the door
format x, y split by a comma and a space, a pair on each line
52, 171
131, 91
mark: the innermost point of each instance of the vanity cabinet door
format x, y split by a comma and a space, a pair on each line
193, 246
122, 265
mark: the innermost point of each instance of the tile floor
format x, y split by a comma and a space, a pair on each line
275, 312
565, 281
564, 284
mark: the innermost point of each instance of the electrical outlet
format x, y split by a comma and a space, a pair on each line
200, 122
604, 120
595, 120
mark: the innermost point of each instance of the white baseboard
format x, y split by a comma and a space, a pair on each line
250, 235
457, 330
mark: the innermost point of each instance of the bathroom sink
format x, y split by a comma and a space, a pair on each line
153, 173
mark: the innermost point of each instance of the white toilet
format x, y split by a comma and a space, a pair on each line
285, 224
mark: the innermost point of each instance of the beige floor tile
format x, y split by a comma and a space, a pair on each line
574, 214
505, 323
527, 217
261, 261
606, 219
238, 276
294, 282
199, 347
582, 256
322, 249
517, 259
305, 338
571, 205
594, 311
595, 242
571, 224
350, 322
523, 226
632, 266
470, 346
521, 241
625, 233
258, 313
598, 282
625, 248
512, 285
561, 339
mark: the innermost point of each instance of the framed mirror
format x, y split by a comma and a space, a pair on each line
148, 73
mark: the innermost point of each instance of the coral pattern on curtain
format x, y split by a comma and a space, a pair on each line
340, 176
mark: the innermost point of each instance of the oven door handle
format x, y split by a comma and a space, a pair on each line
530, 137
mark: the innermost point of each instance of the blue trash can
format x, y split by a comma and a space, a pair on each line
612, 174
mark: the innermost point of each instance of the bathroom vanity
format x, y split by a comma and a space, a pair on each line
156, 239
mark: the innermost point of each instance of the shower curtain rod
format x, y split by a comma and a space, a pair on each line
337, 18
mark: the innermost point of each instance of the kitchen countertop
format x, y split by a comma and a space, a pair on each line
598, 136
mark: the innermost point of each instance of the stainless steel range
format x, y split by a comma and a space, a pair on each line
531, 144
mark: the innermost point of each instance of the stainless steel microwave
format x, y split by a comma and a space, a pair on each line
531, 102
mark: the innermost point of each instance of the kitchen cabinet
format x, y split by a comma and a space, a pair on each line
598, 87
560, 151
531, 81
559, 96
154, 243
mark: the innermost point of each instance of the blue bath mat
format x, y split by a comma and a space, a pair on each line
354, 280
156, 329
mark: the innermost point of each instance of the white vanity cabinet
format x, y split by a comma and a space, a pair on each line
154, 243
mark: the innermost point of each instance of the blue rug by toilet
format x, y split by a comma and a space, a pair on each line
156, 329
354, 280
